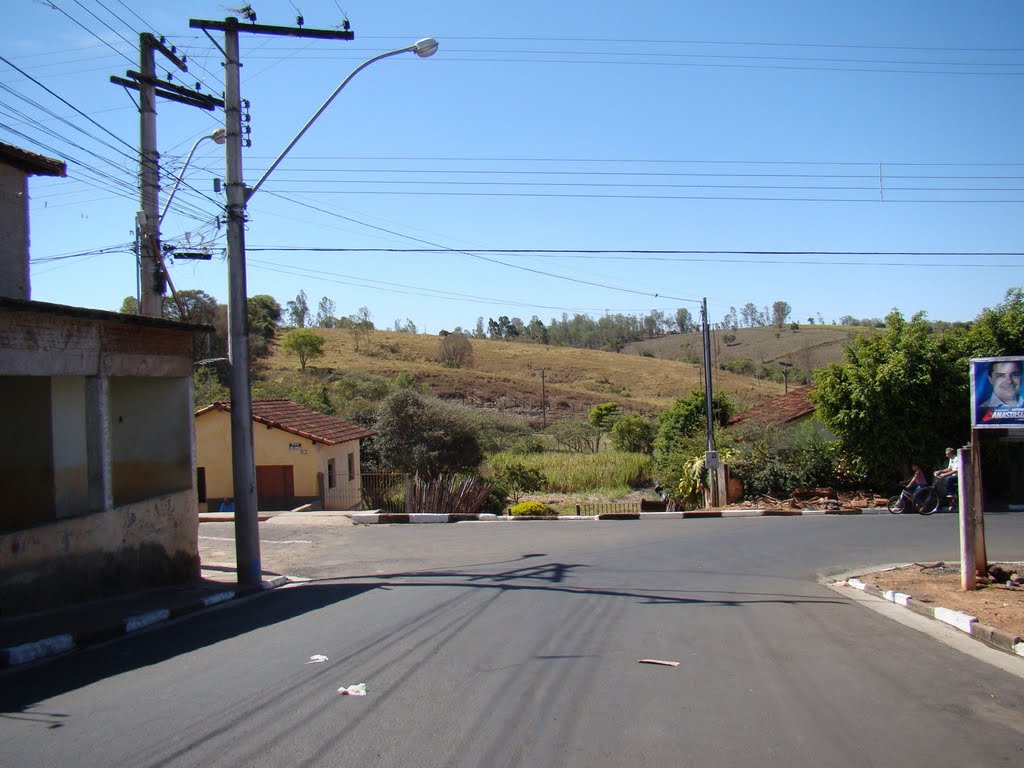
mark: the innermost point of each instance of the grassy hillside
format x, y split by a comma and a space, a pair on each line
507, 375
809, 348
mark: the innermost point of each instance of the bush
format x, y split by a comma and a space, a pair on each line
517, 479
533, 509
633, 434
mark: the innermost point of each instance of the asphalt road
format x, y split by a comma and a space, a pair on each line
498, 644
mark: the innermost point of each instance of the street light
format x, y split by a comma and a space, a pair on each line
243, 467
219, 136
424, 48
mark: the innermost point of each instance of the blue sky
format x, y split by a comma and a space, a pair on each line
692, 127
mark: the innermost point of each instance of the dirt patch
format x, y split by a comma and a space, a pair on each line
938, 584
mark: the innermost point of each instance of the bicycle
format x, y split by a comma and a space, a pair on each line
924, 501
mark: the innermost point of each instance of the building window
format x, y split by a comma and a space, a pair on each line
331, 474
351, 467
201, 483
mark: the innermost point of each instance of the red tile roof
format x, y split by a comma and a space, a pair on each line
780, 410
298, 420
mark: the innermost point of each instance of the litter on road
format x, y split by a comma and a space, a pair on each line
359, 689
662, 662
317, 658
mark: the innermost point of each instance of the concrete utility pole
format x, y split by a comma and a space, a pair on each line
711, 462
150, 274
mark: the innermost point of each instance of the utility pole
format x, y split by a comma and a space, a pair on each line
152, 273
543, 402
711, 462
243, 465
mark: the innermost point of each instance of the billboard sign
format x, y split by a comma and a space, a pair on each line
996, 398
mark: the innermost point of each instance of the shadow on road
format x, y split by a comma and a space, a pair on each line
21, 688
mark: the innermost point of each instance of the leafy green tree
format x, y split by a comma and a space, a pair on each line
780, 313
264, 315
604, 415
130, 306
900, 396
633, 434
424, 437
304, 343
688, 418
684, 320
517, 479
1000, 331
198, 307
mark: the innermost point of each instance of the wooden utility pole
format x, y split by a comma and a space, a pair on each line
152, 273
543, 402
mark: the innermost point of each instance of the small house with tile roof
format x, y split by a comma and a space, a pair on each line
302, 457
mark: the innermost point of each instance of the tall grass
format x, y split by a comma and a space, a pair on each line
580, 472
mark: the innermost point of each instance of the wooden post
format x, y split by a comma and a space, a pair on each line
968, 577
978, 501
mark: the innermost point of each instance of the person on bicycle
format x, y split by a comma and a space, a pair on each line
917, 482
950, 474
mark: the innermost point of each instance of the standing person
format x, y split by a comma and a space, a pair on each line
951, 472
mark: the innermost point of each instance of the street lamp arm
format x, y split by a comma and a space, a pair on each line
218, 137
422, 48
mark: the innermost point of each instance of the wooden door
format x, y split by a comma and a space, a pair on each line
275, 487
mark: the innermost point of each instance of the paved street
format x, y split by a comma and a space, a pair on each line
516, 644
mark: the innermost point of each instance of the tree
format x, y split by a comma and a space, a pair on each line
264, 315
780, 313
1000, 331
603, 416
304, 343
536, 331
325, 314
577, 436
688, 417
425, 438
899, 397
503, 328
518, 479
455, 350
199, 307
633, 434
750, 314
684, 320
298, 310
361, 325
130, 306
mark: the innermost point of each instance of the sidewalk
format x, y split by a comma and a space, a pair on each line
24, 639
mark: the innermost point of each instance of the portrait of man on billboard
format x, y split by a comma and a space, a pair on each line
996, 397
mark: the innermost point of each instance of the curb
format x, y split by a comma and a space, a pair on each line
25, 653
996, 638
397, 518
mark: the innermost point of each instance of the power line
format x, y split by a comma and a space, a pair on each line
492, 260
55, 7
72, 106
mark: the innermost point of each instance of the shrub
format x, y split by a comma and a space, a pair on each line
533, 509
633, 434
576, 473
517, 479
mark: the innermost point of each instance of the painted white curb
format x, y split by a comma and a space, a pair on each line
857, 584
220, 597
428, 517
26, 652
897, 597
141, 621
955, 618
1019, 649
